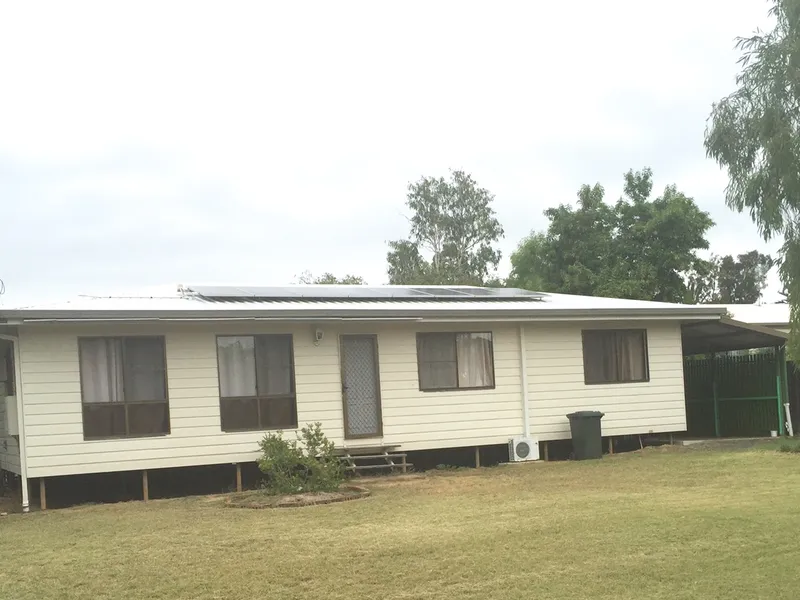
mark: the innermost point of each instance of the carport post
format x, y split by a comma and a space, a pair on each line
779, 356
714, 392
785, 389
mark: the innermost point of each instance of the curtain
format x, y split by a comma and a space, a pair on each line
614, 356
101, 370
474, 351
631, 362
144, 369
274, 364
437, 361
237, 366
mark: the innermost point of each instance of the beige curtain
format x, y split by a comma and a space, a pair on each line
101, 370
631, 363
236, 357
474, 352
614, 356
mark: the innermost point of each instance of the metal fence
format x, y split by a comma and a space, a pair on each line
735, 396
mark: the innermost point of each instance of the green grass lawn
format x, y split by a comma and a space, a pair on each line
663, 524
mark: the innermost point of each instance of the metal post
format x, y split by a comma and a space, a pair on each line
477, 457
779, 388
238, 477
715, 393
145, 487
785, 388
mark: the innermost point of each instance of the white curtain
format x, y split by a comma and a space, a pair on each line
474, 360
237, 366
101, 370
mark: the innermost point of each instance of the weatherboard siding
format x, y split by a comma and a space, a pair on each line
413, 419
556, 384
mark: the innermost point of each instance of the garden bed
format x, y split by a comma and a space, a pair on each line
260, 499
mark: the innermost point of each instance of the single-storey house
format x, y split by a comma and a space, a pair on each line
107, 384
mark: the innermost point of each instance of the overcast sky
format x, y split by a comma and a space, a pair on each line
161, 143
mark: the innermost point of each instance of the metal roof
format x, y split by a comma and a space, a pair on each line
184, 304
774, 315
724, 335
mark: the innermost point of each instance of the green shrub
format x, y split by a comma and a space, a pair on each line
307, 464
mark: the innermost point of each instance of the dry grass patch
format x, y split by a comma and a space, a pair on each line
653, 525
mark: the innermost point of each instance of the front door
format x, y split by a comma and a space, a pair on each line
361, 389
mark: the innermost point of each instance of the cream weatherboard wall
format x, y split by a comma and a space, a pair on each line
411, 419
556, 385
52, 397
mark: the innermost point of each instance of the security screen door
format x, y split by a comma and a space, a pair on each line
361, 392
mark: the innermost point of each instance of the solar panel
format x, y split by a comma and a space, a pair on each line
343, 292
441, 292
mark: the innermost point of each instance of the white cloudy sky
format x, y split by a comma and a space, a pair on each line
148, 143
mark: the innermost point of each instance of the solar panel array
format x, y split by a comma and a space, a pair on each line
343, 292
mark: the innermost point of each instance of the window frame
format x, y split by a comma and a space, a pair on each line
455, 335
639, 330
125, 402
258, 398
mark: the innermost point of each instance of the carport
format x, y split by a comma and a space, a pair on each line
735, 379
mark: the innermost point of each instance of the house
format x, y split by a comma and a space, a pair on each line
107, 384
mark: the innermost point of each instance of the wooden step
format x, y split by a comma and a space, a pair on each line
403, 467
373, 456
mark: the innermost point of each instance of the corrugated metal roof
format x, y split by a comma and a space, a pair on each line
190, 306
776, 315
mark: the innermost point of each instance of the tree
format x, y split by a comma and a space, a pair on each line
754, 133
453, 234
330, 279
638, 248
725, 280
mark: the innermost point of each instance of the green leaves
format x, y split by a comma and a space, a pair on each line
453, 233
638, 248
308, 464
754, 133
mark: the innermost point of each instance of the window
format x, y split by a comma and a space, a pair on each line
123, 387
256, 382
450, 361
615, 355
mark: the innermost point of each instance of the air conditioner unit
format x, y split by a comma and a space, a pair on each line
523, 448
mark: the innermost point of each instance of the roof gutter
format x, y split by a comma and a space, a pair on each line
691, 313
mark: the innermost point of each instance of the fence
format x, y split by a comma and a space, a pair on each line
735, 396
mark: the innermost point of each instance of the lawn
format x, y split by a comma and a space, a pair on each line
662, 524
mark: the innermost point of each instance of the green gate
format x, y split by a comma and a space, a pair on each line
735, 395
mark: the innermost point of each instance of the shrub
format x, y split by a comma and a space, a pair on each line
307, 464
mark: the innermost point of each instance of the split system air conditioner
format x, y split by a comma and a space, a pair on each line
522, 449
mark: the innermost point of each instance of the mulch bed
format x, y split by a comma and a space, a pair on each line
258, 499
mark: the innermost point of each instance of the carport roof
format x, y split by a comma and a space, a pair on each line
725, 334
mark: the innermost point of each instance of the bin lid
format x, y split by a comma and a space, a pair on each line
586, 414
